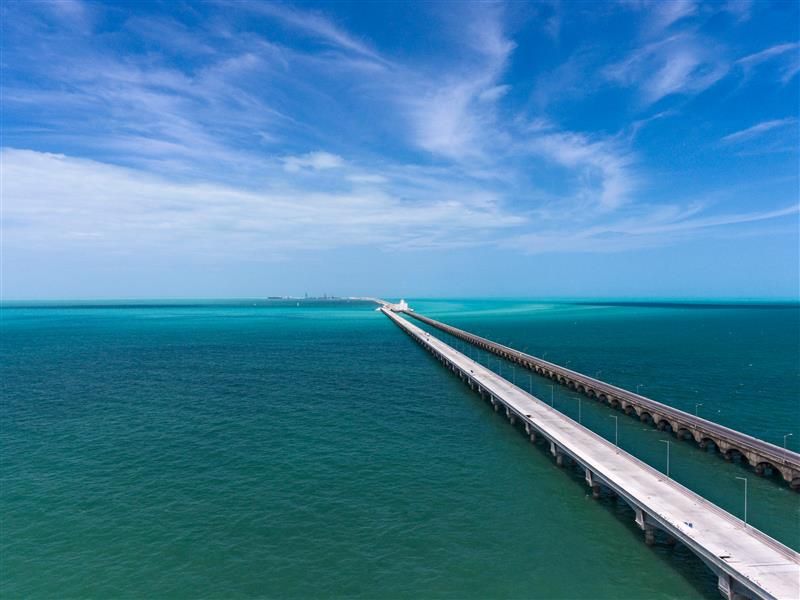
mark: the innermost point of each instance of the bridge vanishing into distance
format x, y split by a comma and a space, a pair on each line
746, 562
764, 457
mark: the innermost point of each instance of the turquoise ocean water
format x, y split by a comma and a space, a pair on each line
247, 448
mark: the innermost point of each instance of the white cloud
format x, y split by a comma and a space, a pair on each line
787, 54
314, 24
758, 129
604, 168
367, 178
494, 93
740, 9
57, 202
647, 227
453, 112
664, 14
680, 64
315, 161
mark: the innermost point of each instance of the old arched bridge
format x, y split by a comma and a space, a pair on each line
733, 445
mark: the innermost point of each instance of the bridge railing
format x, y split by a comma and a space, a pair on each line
781, 457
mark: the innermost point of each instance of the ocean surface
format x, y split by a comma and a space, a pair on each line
266, 448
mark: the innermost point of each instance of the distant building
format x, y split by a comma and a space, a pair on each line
399, 307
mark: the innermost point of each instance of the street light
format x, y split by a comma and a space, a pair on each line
667, 442
551, 396
784, 439
745, 498
514, 374
580, 403
597, 374
639, 385
530, 383
696, 406
616, 429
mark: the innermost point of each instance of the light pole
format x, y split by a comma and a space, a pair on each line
597, 374
784, 439
696, 406
667, 442
616, 429
639, 385
580, 402
530, 383
551, 396
514, 374
745, 498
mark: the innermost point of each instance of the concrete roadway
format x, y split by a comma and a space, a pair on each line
747, 562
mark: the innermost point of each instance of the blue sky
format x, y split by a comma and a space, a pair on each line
217, 149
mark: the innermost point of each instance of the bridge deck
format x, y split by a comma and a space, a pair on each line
756, 451
746, 560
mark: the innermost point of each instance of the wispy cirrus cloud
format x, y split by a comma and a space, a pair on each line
680, 64
275, 127
127, 211
786, 56
664, 14
605, 166
454, 115
644, 229
316, 161
314, 24
759, 129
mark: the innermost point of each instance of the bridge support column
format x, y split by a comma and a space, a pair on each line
649, 534
646, 526
728, 588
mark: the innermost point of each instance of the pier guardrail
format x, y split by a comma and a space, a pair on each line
747, 562
761, 455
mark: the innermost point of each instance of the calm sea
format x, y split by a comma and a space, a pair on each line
255, 448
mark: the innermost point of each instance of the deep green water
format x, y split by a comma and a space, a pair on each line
232, 450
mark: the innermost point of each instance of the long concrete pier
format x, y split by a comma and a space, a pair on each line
747, 562
762, 456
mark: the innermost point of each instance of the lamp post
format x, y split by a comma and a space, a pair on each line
639, 385
551, 396
580, 403
696, 406
667, 442
745, 498
514, 374
616, 429
530, 383
784, 439
597, 374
